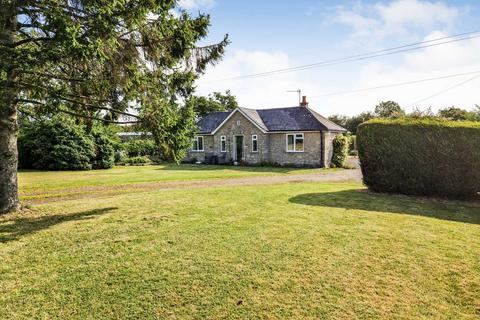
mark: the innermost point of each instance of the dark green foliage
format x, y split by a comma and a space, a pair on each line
421, 156
340, 151
216, 101
55, 145
137, 148
458, 114
352, 123
389, 109
104, 148
135, 161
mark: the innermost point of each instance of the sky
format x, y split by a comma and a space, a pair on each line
270, 35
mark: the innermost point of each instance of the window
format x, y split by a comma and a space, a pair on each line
197, 144
238, 122
295, 142
254, 143
223, 144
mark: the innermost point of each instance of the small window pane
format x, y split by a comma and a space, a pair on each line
200, 143
195, 145
223, 143
290, 142
299, 144
254, 146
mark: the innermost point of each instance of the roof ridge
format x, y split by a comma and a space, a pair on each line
318, 115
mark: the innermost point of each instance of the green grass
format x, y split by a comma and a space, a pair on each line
300, 250
34, 182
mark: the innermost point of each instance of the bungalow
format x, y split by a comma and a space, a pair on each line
287, 136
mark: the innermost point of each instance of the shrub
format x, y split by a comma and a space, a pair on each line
137, 148
352, 142
421, 156
340, 151
55, 145
135, 161
104, 149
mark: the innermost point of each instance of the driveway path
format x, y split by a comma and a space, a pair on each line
353, 175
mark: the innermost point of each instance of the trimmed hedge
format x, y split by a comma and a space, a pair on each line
420, 156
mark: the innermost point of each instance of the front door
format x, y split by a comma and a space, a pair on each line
238, 148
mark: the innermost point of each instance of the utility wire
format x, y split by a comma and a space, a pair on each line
446, 89
364, 56
397, 84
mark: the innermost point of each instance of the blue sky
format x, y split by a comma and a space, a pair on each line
269, 35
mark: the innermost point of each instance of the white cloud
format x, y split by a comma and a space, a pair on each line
453, 58
195, 4
260, 92
267, 92
397, 18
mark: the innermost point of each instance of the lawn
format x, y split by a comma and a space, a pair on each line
46, 183
299, 250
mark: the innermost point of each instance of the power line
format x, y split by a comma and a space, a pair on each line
397, 84
364, 56
446, 89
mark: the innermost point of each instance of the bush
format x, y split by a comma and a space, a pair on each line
340, 151
420, 156
104, 149
137, 148
352, 142
135, 161
55, 145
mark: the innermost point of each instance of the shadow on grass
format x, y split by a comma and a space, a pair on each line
209, 167
16, 228
459, 211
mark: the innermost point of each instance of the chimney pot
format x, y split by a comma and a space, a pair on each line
304, 102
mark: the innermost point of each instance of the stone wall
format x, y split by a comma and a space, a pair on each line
208, 146
236, 125
311, 155
317, 151
239, 125
327, 142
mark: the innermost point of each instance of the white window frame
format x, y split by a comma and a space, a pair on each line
294, 134
223, 143
203, 144
254, 138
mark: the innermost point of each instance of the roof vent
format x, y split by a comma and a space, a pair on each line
304, 102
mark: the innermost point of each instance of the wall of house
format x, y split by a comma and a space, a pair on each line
208, 147
328, 150
318, 149
244, 127
311, 155
239, 125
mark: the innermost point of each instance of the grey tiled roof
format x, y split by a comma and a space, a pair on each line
255, 117
278, 119
210, 122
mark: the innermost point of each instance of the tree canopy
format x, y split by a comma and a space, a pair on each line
216, 101
97, 60
389, 109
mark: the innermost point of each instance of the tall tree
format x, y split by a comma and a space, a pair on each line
389, 109
456, 114
93, 59
216, 101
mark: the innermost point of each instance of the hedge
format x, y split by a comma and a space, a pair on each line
420, 157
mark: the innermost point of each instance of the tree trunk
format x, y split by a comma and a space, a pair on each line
8, 121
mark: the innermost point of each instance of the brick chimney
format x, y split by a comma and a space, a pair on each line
304, 102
